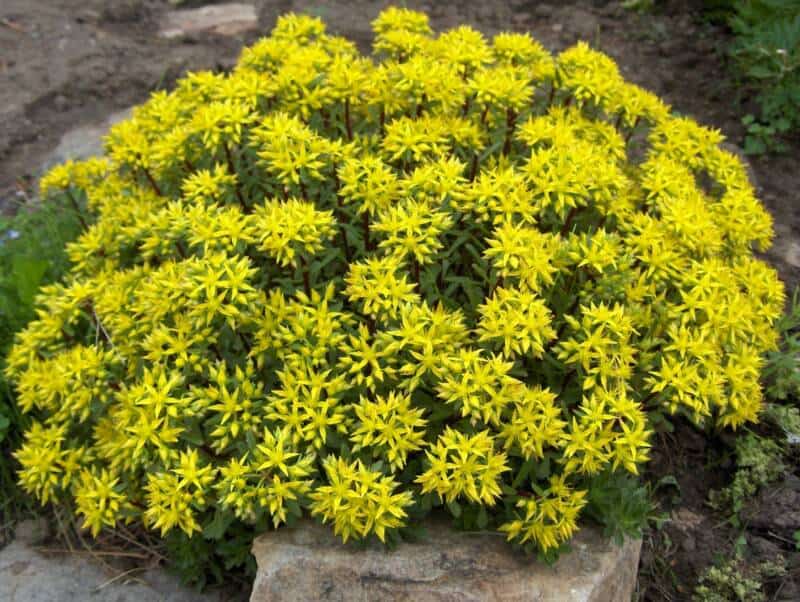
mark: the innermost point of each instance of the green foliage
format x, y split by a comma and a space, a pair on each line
620, 503
759, 461
31, 254
762, 138
735, 580
766, 55
782, 372
218, 556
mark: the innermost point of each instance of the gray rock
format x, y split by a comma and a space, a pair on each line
31, 531
61, 102
309, 563
83, 141
582, 23
28, 576
224, 19
791, 254
123, 11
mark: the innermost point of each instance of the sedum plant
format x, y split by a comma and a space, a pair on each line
461, 273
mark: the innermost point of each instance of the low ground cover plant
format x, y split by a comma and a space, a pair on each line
766, 59
31, 254
462, 274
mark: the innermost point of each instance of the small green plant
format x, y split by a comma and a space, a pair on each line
621, 504
766, 55
782, 372
735, 580
31, 254
759, 461
762, 138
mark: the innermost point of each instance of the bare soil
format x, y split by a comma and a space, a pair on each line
67, 62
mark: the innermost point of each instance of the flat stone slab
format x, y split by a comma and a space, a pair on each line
84, 141
28, 576
224, 19
309, 563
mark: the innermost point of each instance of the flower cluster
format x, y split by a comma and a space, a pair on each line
457, 275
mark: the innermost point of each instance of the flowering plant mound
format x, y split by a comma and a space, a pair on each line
462, 273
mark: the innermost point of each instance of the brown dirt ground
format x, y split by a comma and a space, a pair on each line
66, 62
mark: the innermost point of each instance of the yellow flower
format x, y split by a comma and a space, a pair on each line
520, 319
549, 519
98, 497
389, 426
411, 231
379, 287
536, 423
292, 230
479, 387
359, 501
463, 466
525, 254
368, 183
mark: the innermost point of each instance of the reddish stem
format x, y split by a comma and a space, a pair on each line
77, 209
365, 227
347, 123
232, 169
152, 181
473, 170
510, 124
306, 278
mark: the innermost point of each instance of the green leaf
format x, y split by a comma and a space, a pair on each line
5, 422
523, 473
543, 469
760, 72
216, 527
754, 146
455, 508
482, 520
28, 274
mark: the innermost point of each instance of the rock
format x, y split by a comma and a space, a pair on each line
309, 563
583, 23
776, 510
61, 103
83, 141
224, 19
764, 549
28, 576
123, 11
32, 531
792, 253
543, 11
686, 520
